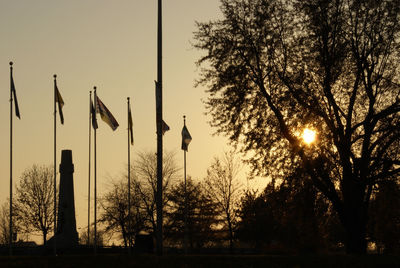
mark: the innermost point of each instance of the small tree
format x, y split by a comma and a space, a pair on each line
143, 197
5, 223
145, 183
223, 188
102, 237
256, 224
115, 212
34, 206
202, 216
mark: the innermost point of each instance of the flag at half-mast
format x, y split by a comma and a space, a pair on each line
130, 124
105, 114
93, 115
165, 127
186, 138
14, 94
60, 102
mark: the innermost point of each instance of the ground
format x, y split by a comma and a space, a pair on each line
209, 261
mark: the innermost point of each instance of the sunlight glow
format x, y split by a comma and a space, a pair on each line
308, 136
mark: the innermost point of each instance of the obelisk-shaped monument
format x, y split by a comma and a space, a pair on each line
66, 234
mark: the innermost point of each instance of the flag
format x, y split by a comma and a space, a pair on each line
93, 114
60, 102
105, 114
15, 95
130, 124
165, 127
186, 138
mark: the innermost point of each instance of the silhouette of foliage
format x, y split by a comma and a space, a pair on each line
385, 217
223, 188
102, 237
291, 216
202, 216
115, 214
273, 67
34, 204
145, 184
5, 225
256, 224
143, 197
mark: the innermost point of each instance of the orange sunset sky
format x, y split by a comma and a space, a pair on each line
111, 45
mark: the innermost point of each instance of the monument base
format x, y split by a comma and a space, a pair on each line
64, 240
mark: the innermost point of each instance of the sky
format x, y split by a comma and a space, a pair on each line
111, 45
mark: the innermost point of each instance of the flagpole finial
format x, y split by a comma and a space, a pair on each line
128, 98
184, 119
11, 63
55, 76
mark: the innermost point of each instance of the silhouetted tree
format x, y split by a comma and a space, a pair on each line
114, 203
114, 213
5, 224
291, 215
144, 172
223, 188
257, 223
304, 214
385, 217
202, 216
276, 66
102, 237
34, 202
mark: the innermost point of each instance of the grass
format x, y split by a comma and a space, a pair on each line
208, 261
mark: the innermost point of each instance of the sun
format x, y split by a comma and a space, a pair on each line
308, 136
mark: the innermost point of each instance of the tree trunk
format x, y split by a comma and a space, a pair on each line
230, 232
124, 235
44, 237
355, 227
354, 218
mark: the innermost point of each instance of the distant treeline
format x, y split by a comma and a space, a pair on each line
289, 216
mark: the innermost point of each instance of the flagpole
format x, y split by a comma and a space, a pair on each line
95, 177
11, 180
185, 192
55, 170
129, 184
159, 133
90, 136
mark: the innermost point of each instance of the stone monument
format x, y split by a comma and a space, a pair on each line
66, 235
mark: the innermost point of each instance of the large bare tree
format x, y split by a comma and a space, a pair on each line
35, 200
274, 67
